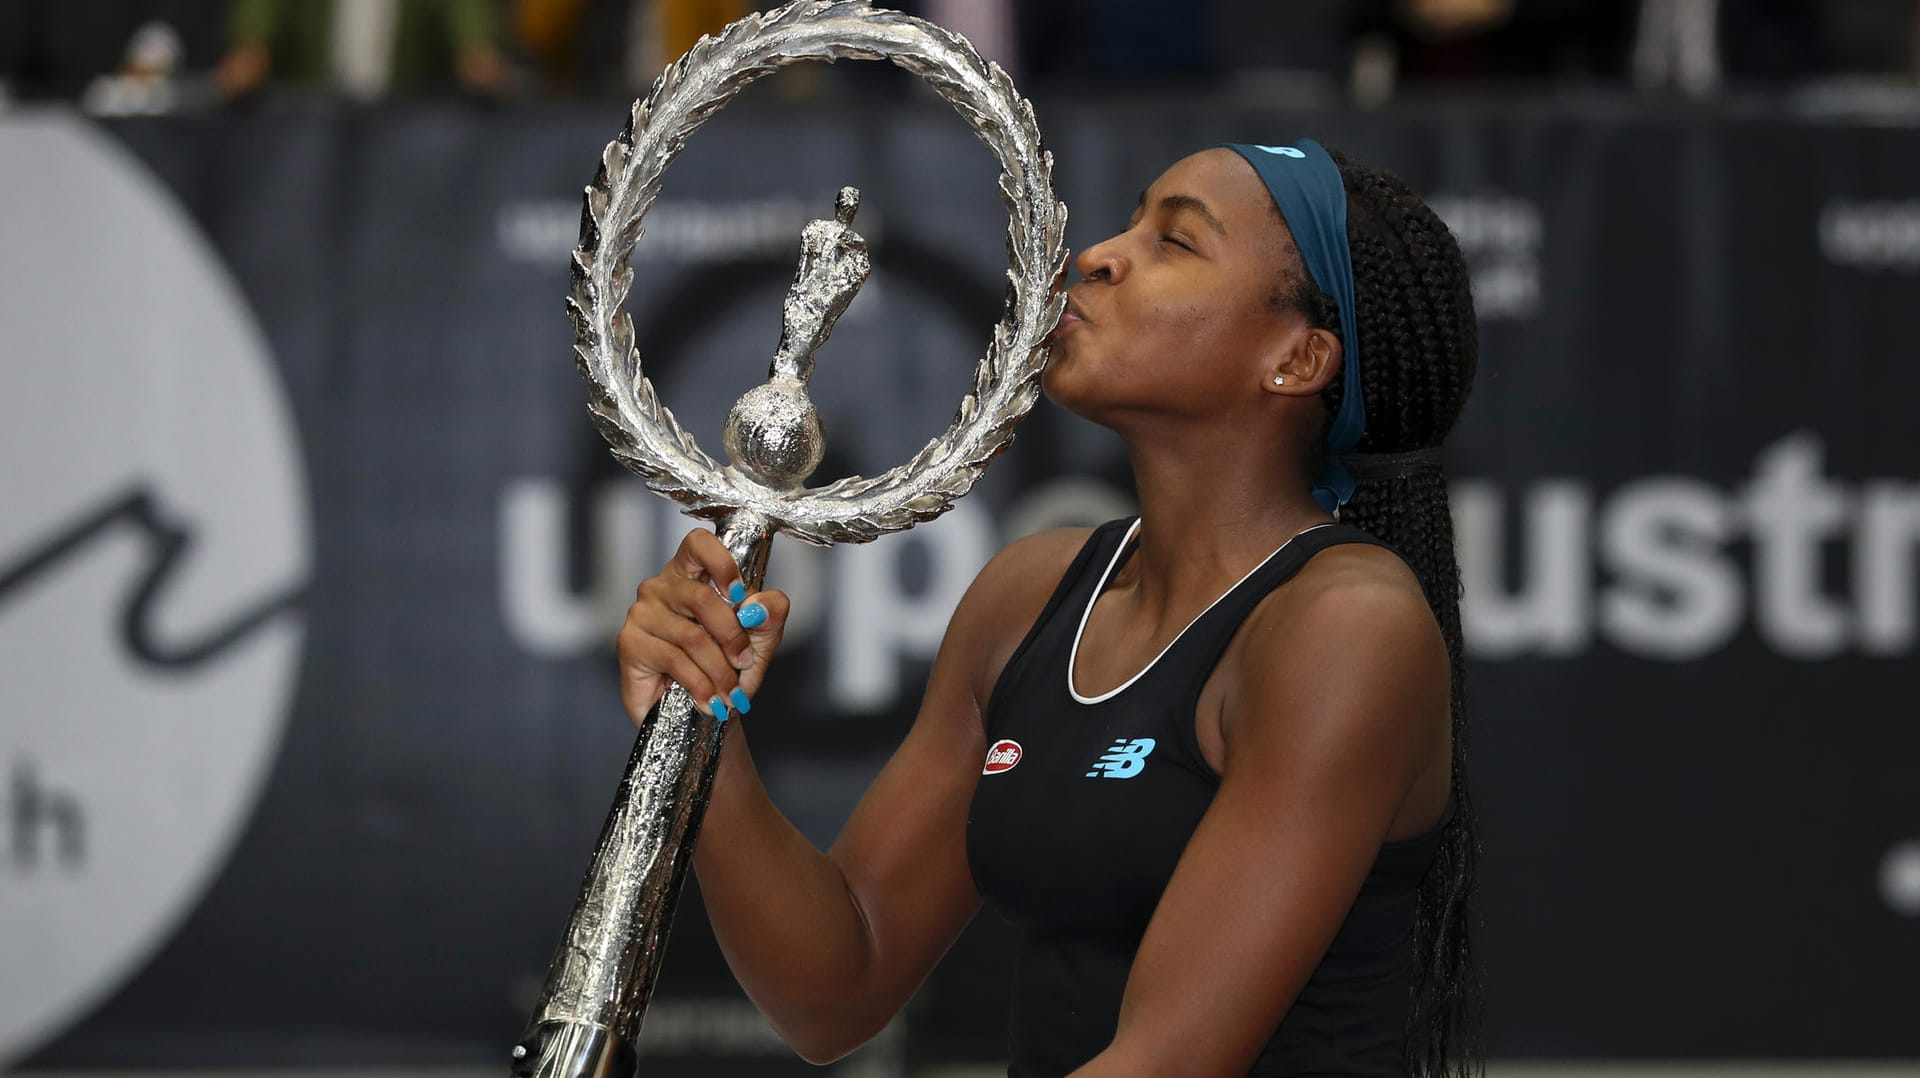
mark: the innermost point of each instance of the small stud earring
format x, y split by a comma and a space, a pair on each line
1279, 381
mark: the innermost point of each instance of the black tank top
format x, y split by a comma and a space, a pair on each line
1085, 804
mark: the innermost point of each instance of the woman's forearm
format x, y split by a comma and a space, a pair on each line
785, 918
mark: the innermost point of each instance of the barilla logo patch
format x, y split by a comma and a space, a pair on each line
1001, 757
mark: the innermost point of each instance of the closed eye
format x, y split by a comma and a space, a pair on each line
1176, 241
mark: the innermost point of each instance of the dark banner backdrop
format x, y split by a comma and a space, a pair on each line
1688, 488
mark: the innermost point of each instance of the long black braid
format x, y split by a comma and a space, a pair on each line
1418, 350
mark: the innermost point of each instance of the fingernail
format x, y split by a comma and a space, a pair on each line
737, 592
744, 660
753, 615
740, 701
719, 708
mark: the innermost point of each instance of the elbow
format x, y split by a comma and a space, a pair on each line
840, 1014
823, 1044
820, 1053
825, 1008
828, 1033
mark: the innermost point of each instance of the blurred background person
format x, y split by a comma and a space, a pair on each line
1694, 47
613, 47
991, 25
677, 24
1467, 42
147, 81
553, 35
1676, 44
365, 49
1699, 46
57, 48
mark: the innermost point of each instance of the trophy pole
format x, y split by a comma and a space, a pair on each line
603, 976
602, 979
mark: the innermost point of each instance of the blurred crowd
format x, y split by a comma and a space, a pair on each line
149, 56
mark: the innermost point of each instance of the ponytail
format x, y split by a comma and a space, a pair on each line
1417, 332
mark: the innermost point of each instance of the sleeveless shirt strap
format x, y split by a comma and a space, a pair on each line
1098, 547
1206, 643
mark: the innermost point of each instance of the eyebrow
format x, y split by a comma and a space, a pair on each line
1175, 203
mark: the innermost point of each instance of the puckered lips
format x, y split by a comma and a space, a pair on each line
1072, 316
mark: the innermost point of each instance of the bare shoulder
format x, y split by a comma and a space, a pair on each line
1353, 620
1021, 578
1353, 587
1029, 565
1341, 681
1007, 596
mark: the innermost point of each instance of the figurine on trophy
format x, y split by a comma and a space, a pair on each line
773, 433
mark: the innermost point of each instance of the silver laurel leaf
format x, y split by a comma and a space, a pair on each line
626, 408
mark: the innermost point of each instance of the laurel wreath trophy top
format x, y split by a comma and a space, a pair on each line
643, 433
603, 973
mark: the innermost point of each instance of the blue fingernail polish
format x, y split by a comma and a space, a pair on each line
740, 701
719, 707
737, 592
753, 615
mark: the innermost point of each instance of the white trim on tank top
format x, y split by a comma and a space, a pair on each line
1073, 657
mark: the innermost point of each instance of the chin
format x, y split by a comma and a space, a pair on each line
1057, 378
1070, 386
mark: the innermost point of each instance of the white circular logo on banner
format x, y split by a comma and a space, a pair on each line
153, 545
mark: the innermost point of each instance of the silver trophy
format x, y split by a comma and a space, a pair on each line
597, 990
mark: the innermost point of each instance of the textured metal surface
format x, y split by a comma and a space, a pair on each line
627, 409
773, 432
603, 974
585, 1051
604, 971
833, 265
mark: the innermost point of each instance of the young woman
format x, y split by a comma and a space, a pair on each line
1223, 794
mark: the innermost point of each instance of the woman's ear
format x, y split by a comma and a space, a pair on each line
1306, 365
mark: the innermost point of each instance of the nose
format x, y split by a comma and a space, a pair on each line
1102, 262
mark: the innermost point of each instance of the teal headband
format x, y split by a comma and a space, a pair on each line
1306, 185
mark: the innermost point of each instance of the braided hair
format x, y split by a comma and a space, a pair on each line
1418, 337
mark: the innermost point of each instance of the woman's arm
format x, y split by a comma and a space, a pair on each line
831, 945
1336, 703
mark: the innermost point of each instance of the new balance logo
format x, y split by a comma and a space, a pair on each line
1124, 760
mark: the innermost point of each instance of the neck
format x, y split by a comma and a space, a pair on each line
1209, 513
